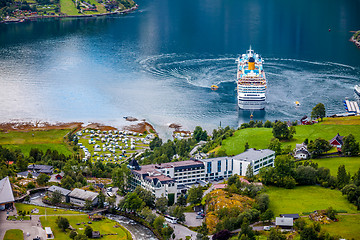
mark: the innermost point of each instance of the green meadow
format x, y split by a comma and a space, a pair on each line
105, 226
14, 234
259, 138
305, 199
347, 227
43, 140
352, 164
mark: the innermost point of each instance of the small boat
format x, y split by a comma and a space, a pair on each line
214, 87
297, 103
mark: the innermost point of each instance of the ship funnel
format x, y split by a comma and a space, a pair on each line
251, 63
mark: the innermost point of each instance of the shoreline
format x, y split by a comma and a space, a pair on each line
24, 19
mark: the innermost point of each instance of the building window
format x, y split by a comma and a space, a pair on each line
241, 169
219, 166
226, 164
209, 167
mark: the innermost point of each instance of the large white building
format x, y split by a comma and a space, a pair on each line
171, 178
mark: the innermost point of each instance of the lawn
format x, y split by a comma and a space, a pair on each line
304, 199
352, 164
14, 234
347, 227
105, 226
50, 139
260, 137
49, 211
68, 7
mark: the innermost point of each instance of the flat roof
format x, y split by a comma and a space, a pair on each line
48, 230
252, 154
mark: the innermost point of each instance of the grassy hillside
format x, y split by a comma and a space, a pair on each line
50, 139
347, 227
305, 199
352, 164
260, 137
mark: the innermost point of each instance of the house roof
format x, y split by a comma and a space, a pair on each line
6, 193
26, 173
83, 194
63, 191
284, 221
48, 230
41, 168
338, 139
293, 216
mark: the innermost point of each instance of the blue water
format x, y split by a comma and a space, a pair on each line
159, 62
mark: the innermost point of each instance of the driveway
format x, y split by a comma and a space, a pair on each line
191, 220
181, 232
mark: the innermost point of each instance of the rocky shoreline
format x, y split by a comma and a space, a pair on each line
24, 19
356, 39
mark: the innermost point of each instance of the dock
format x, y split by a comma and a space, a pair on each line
352, 107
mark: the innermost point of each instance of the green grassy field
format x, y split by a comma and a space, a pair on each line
68, 7
352, 164
307, 199
260, 137
49, 211
347, 227
50, 139
105, 226
14, 234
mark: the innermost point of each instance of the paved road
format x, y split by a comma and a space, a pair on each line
191, 220
31, 226
181, 232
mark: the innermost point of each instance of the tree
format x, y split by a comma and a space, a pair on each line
263, 202
267, 124
195, 195
305, 175
167, 231
81, 237
249, 173
120, 177
318, 111
276, 235
350, 146
178, 212
63, 223
308, 233
101, 199
246, 146
72, 234
67, 182
246, 231
88, 204
275, 145
88, 231
331, 213
267, 215
342, 177
222, 235
158, 223
181, 200
352, 193
161, 204
199, 134
155, 143
55, 197
318, 147
282, 131
133, 202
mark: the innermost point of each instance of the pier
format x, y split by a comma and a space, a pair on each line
352, 106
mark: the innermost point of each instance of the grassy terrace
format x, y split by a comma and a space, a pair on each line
68, 7
49, 211
105, 226
43, 140
347, 227
305, 199
260, 137
14, 234
352, 164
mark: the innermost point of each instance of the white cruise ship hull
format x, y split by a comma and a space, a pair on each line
251, 82
251, 104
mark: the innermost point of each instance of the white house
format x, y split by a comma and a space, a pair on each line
301, 151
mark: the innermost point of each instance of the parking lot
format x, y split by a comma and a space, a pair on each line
191, 220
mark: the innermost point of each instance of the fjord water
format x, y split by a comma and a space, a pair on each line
159, 62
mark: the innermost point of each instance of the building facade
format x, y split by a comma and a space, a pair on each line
173, 177
79, 197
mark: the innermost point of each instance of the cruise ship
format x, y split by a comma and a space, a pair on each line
251, 81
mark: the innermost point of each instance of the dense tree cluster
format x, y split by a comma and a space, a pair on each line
218, 135
282, 131
318, 111
350, 146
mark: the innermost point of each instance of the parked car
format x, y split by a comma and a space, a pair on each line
199, 217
